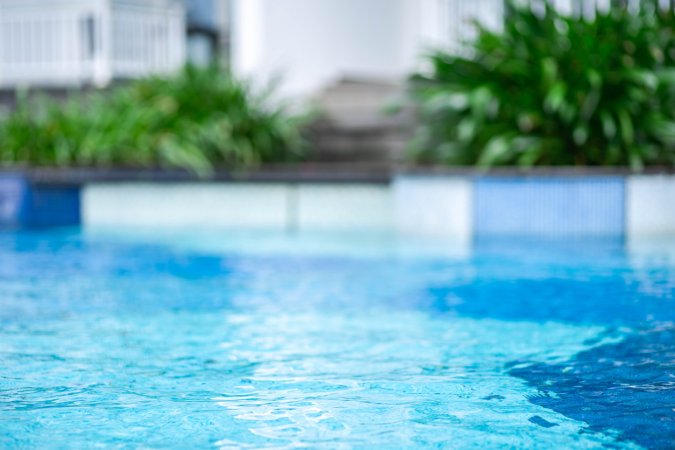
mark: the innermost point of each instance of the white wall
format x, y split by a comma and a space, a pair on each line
313, 42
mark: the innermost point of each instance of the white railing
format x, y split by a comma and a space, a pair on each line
451, 23
463, 15
70, 43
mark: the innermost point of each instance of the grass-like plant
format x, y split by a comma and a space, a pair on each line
550, 89
198, 120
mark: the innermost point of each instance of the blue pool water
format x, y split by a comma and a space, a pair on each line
253, 340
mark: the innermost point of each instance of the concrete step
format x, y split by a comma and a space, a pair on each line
347, 96
353, 126
367, 144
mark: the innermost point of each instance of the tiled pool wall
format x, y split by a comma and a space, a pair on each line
271, 206
452, 206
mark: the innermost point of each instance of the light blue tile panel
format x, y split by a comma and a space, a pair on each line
13, 200
549, 206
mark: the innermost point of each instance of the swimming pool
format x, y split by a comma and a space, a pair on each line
256, 340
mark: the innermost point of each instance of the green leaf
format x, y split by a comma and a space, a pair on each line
555, 97
496, 150
608, 125
580, 134
626, 125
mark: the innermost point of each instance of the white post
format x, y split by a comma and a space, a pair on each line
103, 44
247, 36
3, 49
177, 37
434, 22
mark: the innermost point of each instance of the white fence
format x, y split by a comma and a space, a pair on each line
62, 43
451, 22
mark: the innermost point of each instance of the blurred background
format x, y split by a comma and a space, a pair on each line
345, 66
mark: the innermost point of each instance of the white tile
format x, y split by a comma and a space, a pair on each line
233, 205
650, 205
435, 206
343, 207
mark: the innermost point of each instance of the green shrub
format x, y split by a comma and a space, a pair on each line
199, 120
554, 90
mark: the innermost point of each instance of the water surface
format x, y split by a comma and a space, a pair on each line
178, 339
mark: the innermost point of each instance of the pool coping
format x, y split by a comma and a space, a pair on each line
310, 173
306, 173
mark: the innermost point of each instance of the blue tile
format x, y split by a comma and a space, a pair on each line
549, 206
51, 206
23, 204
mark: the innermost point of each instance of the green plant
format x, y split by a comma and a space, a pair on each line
199, 120
550, 89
